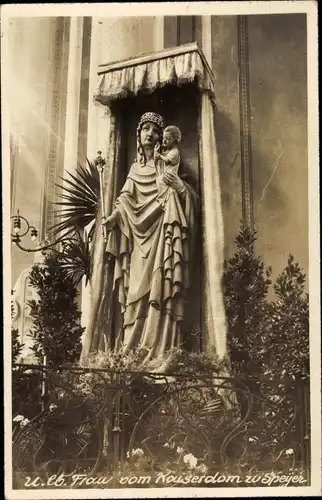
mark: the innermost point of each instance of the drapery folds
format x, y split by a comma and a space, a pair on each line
110, 325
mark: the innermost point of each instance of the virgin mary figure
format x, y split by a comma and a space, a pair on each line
152, 249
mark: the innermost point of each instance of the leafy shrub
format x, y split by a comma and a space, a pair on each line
259, 329
25, 385
56, 329
269, 347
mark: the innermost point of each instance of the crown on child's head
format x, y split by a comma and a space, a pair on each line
174, 131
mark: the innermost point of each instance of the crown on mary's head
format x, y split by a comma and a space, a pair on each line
151, 117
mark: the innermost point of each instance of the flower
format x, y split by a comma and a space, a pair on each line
52, 407
24, 422
18, 418
179, 450
166, 445
275, 398
202, 468
253, 439
190, 460
290, 451
138, 452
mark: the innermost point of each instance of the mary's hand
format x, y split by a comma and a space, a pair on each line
109, 222
174, 181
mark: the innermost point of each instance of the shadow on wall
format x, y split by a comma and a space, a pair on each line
270, 197
229, 158
278, 90
228, 153
228, 149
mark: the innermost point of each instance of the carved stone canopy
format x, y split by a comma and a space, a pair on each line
177, 66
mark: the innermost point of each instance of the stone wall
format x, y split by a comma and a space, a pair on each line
278, 90
37, 58
278, 104
278, 109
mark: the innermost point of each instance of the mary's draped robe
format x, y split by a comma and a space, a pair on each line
111, 279
153, 251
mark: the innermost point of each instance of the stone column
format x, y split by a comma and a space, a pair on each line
73, 93
159, 34
97, 122
206, 39
54, 151
75, 46
98, 131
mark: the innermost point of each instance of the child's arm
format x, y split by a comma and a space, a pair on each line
171, 158
165, 158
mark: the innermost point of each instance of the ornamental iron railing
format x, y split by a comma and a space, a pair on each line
117, 424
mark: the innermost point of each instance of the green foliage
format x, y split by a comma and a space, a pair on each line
269, 345
266, 338
182, 362
289, 324
175, 360
78, 208
56, 319
76, 259
16, 346
25, 385
79, 199
112, 360
246, 283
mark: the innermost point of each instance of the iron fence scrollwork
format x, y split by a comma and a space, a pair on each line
95, 421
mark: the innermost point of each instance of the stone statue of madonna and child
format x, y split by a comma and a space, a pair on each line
151, 236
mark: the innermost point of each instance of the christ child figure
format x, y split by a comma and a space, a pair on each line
167, 160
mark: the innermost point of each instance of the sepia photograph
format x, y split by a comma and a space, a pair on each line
160, 178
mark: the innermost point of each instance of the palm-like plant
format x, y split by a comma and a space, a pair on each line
77, 209
76, 259
79, 200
